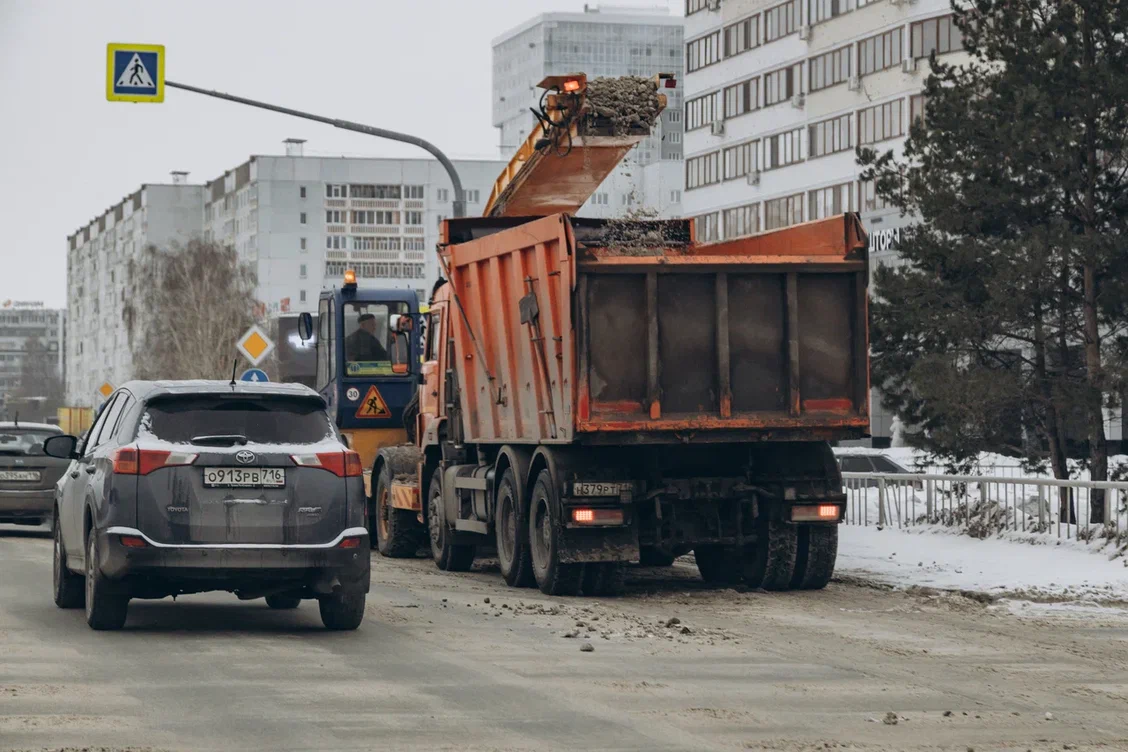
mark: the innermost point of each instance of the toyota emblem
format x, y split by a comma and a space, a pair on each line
245, 457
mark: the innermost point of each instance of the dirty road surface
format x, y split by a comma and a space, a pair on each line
448, 661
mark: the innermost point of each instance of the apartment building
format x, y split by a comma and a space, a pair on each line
25, 325
601, 41
779, 95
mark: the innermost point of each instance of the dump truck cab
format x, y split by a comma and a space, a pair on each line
368, 354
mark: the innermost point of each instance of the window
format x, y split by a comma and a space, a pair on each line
783, 212
741, 160
829, 69
386, 218
701, 111
703, 52
302, 271
742, 36
675, 196
383, 244
880, 52
937, 35
702, 171
880, 122
741, 221
472, 197
368, 328
829, 136
375, 191
302, 243
301, 296
869, 198
823, 10
302, 218
260, 418
708, 228
335, 268
442, 195
917, 106
742, 97
337, 242
413, 218
600, 199
432, 337
301, 192
783, 149
693, 6
829, 202
336, 191
413, 191
781, 20
780, 85
364, 217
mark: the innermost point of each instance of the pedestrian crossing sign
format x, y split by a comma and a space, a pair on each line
135, 72
373, 405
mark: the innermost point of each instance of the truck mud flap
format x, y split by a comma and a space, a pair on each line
582, 546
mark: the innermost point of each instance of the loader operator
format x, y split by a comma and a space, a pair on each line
362, 345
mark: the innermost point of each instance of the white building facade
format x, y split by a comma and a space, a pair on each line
779, 95
601, 42
302, 221
23, 323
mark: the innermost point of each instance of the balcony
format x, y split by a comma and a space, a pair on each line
335, 228
336, 203
413, 230
374, 230
374, 203
413, 204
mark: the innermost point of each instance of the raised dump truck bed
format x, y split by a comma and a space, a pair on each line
569, 335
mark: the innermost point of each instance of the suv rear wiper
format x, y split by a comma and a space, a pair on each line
228, 439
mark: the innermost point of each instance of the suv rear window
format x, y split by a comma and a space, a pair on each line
264, 420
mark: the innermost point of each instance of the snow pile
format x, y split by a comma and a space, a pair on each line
931, 557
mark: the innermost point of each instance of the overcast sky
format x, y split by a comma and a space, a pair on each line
66, 154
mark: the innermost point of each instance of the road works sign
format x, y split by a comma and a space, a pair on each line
373, 405
106, 389
255, 345
135, 72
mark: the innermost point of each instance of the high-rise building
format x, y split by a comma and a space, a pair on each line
27, 327
301, 221
779, 95
601, 41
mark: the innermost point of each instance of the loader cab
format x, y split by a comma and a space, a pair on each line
368, 355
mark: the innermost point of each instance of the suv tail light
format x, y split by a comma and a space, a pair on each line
344, 464
134, 461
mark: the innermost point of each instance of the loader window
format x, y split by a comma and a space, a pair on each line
368, 337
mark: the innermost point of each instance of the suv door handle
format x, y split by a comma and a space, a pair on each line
90, 469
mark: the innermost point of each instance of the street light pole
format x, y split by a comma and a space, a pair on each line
459, 197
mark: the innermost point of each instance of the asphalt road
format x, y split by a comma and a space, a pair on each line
435, 666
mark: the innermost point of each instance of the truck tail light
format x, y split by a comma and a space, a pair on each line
815, 513
344, 464
134, 461
588, 516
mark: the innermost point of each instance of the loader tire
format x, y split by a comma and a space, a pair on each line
770, 562
448, 556
396, 533
604, 579
815, 557
510, 524
553, 577
718, 565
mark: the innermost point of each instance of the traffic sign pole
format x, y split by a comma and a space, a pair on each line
459, 207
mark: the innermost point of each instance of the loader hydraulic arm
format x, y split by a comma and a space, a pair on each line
585, 129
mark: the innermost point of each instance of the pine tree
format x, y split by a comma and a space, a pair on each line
1004, 328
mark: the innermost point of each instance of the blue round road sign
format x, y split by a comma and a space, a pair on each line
254, 374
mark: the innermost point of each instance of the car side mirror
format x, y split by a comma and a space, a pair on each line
61, 447
305, 327
400, 353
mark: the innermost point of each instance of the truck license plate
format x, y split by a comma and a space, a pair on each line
596, 489
22, 475
244, 477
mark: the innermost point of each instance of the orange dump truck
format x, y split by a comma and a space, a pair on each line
599, 392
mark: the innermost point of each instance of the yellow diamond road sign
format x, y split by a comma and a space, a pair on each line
106, 389
255, 345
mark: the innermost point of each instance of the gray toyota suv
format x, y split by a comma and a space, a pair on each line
194, 486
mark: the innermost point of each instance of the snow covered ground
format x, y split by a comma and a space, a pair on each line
937, 557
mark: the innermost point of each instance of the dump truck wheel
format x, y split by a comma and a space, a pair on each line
718, 565
603, 579
447, 555
397, 532
770, 562
513, 556
815, 557
648, 556
552, 577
